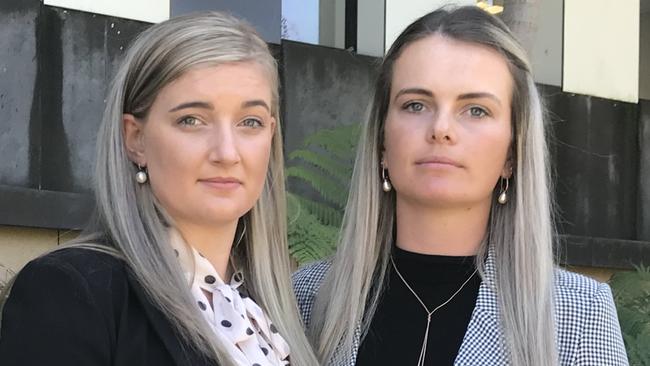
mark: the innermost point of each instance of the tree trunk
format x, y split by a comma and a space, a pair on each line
522, 17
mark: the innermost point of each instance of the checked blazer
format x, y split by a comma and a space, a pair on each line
587, 328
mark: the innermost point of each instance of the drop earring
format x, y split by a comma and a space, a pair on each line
503, 196
385, 185
141, 176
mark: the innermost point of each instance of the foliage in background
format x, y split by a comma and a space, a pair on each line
324, 163
632, 296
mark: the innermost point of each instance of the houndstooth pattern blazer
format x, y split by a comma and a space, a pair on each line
588, 332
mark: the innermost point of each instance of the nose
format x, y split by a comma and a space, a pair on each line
442, 128
223, 146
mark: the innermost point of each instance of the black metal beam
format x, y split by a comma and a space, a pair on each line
603, 252
44, 209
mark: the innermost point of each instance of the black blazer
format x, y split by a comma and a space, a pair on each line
82, 307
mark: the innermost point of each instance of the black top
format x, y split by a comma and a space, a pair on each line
397, 330
82, 307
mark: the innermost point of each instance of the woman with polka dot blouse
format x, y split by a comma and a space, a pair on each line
186, 262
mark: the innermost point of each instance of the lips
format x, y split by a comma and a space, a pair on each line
221, 182
438, 161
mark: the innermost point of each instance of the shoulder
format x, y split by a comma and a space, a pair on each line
72, 273
60, 300
587, 322
306, 283
75, 262
307, 279
576, 291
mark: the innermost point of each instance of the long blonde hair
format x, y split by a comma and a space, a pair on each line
130, 217
520, 233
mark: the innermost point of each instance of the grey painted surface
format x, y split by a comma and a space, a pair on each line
17, 79
323, 88
546, 55
596, 158
331, 23
370, 28
265, 15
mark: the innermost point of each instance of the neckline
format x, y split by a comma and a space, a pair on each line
402, 255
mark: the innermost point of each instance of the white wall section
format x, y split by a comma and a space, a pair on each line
152, 11
601, 48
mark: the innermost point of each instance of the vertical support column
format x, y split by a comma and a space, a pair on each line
643, 218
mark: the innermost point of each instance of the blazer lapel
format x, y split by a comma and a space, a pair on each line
483, 342
181, 353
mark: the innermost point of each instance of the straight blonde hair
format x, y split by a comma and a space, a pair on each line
130, 218
520, 233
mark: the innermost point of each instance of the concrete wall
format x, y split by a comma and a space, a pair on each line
598, 274
546, 55
20, 245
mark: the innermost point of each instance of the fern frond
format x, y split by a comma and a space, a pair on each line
325, 214
309, 240
632, 296
328, 188
332, 167
340, 141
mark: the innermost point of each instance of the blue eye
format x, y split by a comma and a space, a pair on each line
188, 121
413, 107
252, 122
477, 112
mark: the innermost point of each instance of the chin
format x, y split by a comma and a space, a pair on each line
437, 197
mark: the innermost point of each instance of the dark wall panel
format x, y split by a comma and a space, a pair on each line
595, 158
322, 88
643, 218
85, 50
18, 20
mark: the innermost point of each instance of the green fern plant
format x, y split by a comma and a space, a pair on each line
632, 296
324, 163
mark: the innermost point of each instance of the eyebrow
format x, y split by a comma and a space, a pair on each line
196, 104
478, 96
255, 103
428, 93
207, 105
420, 91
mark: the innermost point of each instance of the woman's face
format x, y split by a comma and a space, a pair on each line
206, 142
448, 130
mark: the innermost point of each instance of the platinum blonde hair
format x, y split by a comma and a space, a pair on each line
130, 217
520, 233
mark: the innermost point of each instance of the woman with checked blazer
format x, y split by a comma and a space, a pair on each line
445, 255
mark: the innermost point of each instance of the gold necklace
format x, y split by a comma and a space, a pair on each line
423, 350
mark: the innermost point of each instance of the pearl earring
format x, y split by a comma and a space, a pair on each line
503, 196
141, 176
386, 186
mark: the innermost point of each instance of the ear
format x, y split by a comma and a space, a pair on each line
133, 131
506, 172
273, 124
